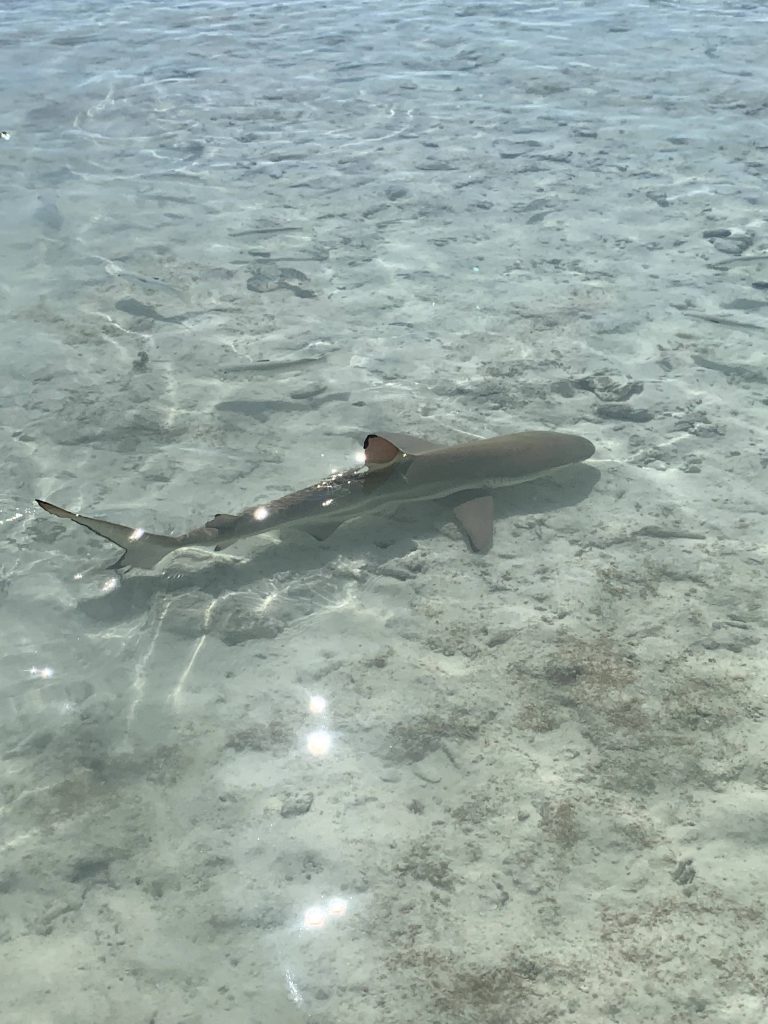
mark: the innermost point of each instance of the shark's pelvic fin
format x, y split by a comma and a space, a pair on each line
141, 550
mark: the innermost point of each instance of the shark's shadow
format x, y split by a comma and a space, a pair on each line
380, 539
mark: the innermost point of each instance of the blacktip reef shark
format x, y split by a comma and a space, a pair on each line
396, 469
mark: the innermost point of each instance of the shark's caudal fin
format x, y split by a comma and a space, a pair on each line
141, 550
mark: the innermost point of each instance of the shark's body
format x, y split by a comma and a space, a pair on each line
398, 469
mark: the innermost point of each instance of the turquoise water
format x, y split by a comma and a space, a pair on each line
383, 779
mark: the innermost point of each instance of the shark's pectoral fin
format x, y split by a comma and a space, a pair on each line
474, 512
321, 531
141, 550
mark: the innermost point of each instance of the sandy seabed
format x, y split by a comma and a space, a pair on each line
382, 780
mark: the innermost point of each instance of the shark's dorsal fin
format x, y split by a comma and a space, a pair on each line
221, 521
381, 449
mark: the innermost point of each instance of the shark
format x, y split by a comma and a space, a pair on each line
395, 469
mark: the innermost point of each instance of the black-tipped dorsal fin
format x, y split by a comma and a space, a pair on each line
221, 521
381, 449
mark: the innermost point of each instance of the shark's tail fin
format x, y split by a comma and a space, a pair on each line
141, 550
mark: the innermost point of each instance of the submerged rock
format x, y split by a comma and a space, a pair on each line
623, 411
608, 388
267, 276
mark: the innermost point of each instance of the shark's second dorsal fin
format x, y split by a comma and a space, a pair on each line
381, 449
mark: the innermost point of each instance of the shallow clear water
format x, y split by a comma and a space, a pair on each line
237, 237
